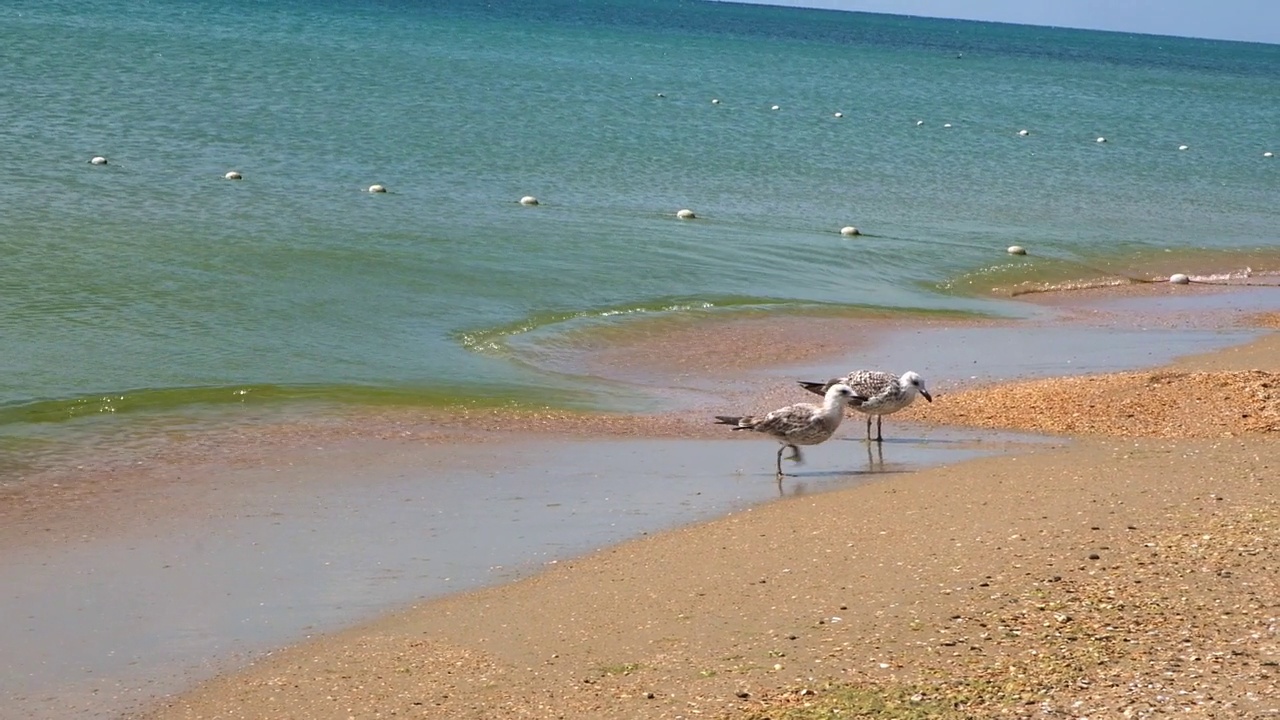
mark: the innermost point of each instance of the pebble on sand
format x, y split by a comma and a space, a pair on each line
1179, 279
377, 188
685, 214
98, 160
232, 175
528, 200
1017, 250
850, 231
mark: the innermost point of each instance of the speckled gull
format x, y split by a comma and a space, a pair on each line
885, 393
799, 424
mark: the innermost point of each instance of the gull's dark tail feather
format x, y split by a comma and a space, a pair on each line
738, 422
817, 388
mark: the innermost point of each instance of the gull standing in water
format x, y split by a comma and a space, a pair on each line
885, 393
799, 424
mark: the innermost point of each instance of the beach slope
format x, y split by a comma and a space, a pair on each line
1124, 574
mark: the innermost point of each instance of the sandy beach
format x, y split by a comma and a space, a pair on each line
1121, 566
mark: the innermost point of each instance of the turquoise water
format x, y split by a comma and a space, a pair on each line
153, 284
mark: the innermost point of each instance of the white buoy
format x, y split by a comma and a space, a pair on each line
1017, 250
1268, 154
377, 188
1182, 147
849, 231
1101, 140
1179, 279
715, 101
946, 125
528, 200
685, 214
233, 175
98, 160
661, 95
919, 123
1023, 133
775, 107
839, 114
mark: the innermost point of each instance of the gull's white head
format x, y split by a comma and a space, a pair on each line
912, 382
839, 394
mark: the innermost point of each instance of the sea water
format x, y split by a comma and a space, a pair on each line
153, 287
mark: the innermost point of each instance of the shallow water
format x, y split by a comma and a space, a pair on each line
113, 617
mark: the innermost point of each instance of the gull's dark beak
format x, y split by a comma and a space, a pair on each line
926, 395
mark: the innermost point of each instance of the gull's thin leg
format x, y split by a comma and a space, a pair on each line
879, 436
780, 450
869, 427
795, 454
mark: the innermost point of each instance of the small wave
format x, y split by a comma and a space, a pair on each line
1239, 278
1044, 273
45, 410
495, 340
121, 429
193, 401
1050, 287
1225, 277
1248, 276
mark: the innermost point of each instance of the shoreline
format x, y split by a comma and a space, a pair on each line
604, 360
692, 359
497, 427
1135, 582
662, 364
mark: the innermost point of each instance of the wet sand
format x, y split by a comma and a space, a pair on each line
678, 616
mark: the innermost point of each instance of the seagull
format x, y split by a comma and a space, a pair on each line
885, 393
799, 424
